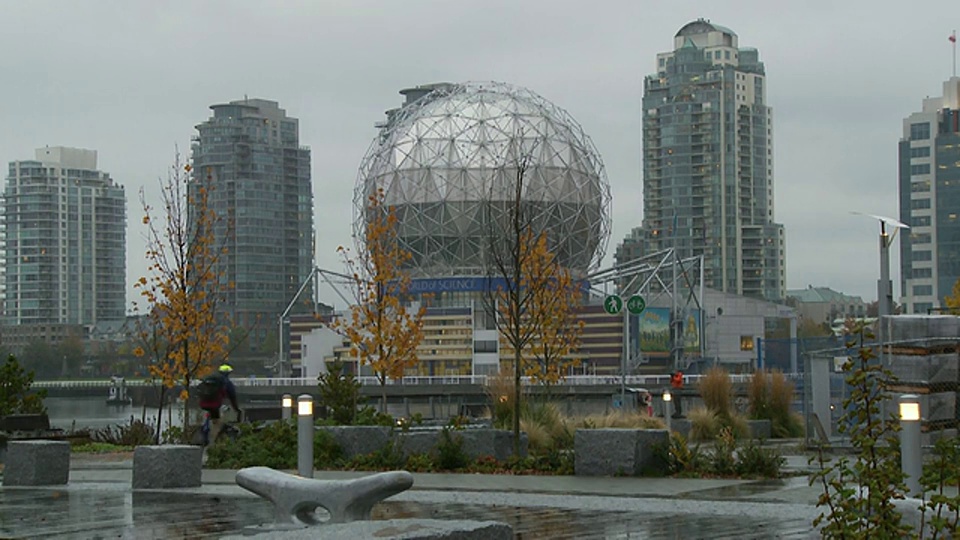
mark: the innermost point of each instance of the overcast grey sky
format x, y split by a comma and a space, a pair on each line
131, 80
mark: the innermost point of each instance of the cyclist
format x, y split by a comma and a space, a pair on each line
212, 391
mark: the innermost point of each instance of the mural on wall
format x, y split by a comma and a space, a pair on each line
651, 331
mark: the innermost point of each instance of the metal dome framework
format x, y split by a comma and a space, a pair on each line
448, 165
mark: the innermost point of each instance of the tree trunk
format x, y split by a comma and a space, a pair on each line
160, 413
383, 395
516, 402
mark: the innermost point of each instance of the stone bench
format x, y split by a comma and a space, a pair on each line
167, 466
37, 463
618, 452
295, 498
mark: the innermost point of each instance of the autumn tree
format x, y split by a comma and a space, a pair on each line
183, 333
384, 332
555, 305
534, 298
952, 301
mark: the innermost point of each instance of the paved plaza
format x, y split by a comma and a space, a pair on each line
98, 503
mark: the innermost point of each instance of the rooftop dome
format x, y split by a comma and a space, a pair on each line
702, 26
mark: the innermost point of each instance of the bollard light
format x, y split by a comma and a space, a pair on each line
667, 398
305, 432
286, 406
909, 411
304, 405
911, 457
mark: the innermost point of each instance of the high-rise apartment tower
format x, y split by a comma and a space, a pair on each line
930, 201
708, 164
65, 238
249, 155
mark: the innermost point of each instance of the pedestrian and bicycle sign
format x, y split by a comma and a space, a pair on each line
613, 304
636, 304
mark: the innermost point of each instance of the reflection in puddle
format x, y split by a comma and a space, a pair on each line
566, 523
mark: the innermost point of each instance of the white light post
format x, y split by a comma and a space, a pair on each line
911, 458
286, 407
305, 432
667, 398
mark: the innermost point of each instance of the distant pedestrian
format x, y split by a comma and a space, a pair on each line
676, 382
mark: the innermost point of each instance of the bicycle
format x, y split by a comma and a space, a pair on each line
228, 429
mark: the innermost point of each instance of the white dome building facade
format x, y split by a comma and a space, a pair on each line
447, 162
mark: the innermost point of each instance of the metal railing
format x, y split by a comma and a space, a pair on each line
571, 380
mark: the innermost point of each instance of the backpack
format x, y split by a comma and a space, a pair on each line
210, 387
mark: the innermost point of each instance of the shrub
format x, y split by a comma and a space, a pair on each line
704, 424
771, 398
755, 460
716, 390
15, 394
420, 463
499, 389
340, 394
758, 395
450, 454
388, 457
636, 420
874, 466
273, 445
100, 448
370, 416
679, 457
723, 460
545, 427
135, 433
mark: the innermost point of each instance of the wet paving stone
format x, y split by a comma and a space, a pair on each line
111, 512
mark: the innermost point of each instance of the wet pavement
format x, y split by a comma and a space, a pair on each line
98, 503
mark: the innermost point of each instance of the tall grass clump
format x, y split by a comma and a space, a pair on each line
771, 397
499, 389
716, 390
545, 427
616, 419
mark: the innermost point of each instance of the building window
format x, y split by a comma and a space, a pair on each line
746, 343
920, 221
922, 307
920, 132
919, 204
922, 290
920, 273
920, 168
920, 187
922, 256
485, 346
920, 151
918, 238
726, 54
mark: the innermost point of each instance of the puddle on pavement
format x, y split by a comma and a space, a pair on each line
557, 523
738, 491
36, 513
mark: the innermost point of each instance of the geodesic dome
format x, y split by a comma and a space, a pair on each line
448, 166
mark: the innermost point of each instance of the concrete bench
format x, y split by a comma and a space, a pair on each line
37, 463
167, 466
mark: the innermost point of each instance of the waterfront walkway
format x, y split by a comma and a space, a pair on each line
98, 503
